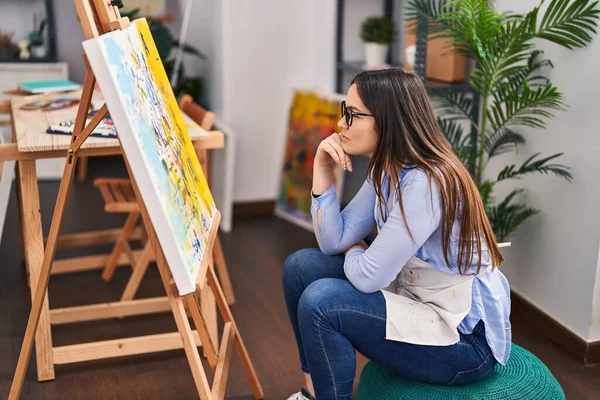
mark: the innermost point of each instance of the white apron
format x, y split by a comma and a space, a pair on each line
425, 306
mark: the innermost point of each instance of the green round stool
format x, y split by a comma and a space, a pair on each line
523, 377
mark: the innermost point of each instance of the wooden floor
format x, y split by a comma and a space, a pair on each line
255, 252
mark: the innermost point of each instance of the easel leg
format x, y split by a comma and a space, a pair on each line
209, 310
207, 300
239, 344
189, 346
82, 169
219, 258
33, 247
178, 308
221, 266
48, 255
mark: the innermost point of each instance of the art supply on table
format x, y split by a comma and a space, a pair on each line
51, 104
49, 86
105, 129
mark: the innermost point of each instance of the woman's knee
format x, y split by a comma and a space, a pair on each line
323, 295
296, 265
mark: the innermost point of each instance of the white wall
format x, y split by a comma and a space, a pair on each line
69, 36
554, 258
270, 47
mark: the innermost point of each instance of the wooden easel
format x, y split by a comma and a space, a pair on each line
98, 17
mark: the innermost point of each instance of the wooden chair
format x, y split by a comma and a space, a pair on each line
119, 198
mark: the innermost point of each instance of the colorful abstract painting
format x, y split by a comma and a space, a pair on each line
155, 141
312, 117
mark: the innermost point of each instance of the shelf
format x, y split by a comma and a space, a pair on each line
30, 60
432, 85
357, 66
442, 87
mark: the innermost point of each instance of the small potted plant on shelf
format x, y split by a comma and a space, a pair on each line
377, 33
36, 38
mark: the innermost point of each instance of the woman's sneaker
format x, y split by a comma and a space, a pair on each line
301, 395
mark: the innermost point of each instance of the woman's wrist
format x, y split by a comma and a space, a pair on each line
322, 179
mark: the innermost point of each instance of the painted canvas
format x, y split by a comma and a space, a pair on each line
155, 140
313, 116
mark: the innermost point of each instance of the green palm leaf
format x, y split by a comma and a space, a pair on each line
454, 105
507, 216
460, 142
471, 25
523, 105
571, 25
502, 141
532, 165
486, 189
531, 73
510, 80
430, 10
427, 10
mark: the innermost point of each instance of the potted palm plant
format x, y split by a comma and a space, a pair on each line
509, 79
377, 33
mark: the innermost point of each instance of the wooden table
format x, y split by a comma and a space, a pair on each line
30, 143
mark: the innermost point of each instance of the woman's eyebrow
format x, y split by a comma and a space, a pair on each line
354, 108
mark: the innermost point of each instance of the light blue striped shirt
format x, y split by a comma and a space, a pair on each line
375, 268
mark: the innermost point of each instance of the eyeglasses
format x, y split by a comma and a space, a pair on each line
349, 115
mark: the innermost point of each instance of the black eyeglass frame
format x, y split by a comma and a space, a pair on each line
349, 115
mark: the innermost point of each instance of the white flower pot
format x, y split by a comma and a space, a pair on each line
38, 51
375, 54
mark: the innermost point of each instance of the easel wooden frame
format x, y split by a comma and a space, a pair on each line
97, 17
122, 199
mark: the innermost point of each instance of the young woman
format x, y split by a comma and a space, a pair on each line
425, 299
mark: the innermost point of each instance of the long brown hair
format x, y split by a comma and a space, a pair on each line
408, 134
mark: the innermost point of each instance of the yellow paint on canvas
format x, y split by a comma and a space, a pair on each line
189, 161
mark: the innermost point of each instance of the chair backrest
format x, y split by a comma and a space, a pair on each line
199, 114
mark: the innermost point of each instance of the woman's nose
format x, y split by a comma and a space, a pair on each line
342, 123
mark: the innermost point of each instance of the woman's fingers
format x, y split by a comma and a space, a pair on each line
336, 152
333, 146
348, 162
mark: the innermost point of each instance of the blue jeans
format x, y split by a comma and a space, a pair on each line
331, 319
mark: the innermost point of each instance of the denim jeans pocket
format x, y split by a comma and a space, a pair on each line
474, 374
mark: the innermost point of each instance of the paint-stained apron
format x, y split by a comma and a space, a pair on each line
425, 306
